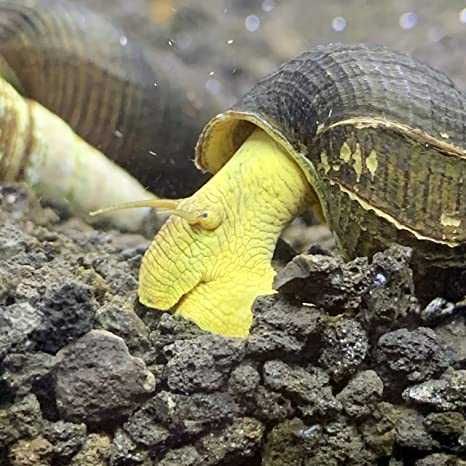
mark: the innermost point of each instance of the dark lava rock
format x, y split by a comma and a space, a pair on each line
280, 328
244, 380
98, 381
339, 443
22, 420
391, 297
34, 452
170, 414
411, 431
95, 452
69, 310
233, 444
26, 372
272, 406
325, 281
405, 357
66, 438
119, 318
452, 336
361, 394
440, 459
18, 325
309, 388
202, 363
445, 394
447, 426
284, 445
185, 456
344, 348
125, 452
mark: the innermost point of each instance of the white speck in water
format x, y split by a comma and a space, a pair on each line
252, 23
230, 41
268, 5
408, 20
171, 42
213, 86
211, 73
462, 15
339, 23
118, 134
151, 152
225, 11
123, 41
156, 83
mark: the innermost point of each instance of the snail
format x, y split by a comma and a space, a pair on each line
372, 140
81, 98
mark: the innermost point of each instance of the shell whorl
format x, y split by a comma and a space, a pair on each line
366, 124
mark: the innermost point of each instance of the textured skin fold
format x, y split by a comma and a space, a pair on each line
381, 137
102, 83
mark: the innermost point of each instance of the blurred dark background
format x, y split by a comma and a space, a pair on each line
230, 43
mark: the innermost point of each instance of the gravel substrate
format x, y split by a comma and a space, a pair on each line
342, 367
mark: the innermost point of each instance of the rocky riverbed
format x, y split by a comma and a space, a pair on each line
342, 367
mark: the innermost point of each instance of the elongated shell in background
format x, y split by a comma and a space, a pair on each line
98, 79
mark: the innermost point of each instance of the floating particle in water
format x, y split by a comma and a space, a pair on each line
211, 73
171, 42
380, 280
230, 41
268, 5
123, 41
252, 23
213, 86
462, 15
151, 152
156, 83
408, 20
118, 133
339, 23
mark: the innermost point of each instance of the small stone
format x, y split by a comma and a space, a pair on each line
344, 348
119, 318
244, 380
406, 356
26, 372
310, 389
445, 394
284, 446
202, 363
325, 281
35, 452
438, 459
361, 394
95, 452
437, 309
185, 456
410, 431
97, 380
21, 420
18, 325
65, 437
394, 299
125, 452
447, 425
280, 328
154, 422
270, 406
233, 444
68, 310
